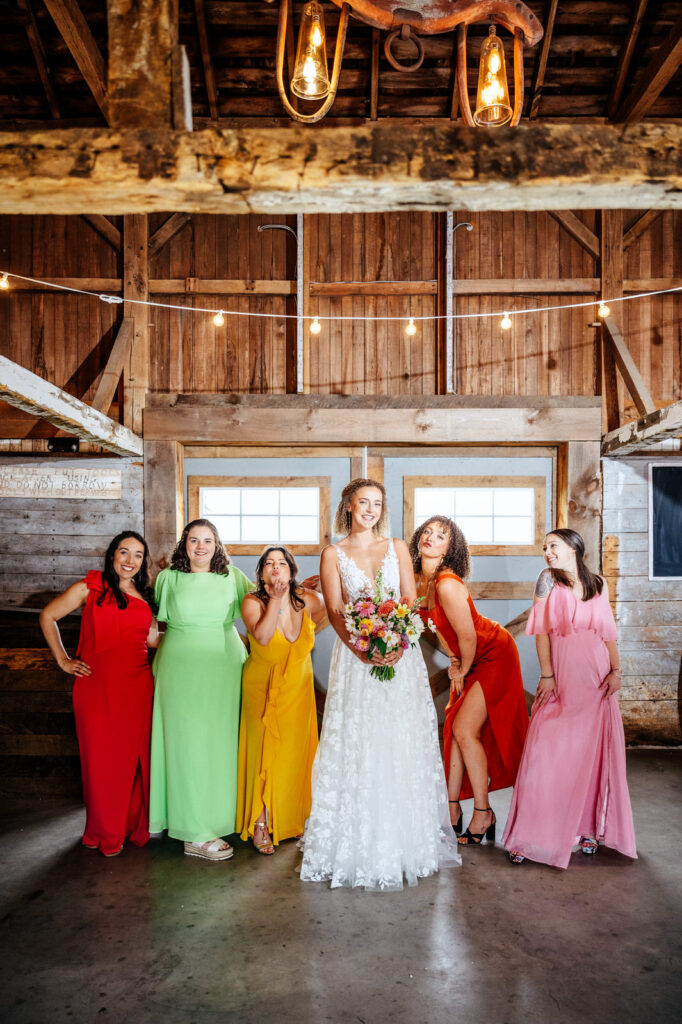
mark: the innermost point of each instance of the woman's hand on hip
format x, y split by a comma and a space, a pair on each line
75, 667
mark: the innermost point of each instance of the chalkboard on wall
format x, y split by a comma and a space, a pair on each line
665, 521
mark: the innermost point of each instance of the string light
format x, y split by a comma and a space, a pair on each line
315, 326
151, 304
411, 327
4, 283
506, 323
219, 319
603, 310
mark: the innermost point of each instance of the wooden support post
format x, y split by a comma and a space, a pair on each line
579, 495
141, 41
577, 230
136, 286
611, 288
626, 364
120, 355
443, 227
374, 76
75, 32
164, 498
303, 278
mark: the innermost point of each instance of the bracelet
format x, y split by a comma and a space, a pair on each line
547, 677
616, 672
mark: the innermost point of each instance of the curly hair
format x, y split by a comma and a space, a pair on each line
111, 581
295, 588
456, 557
591, 583
342, 517
220, 563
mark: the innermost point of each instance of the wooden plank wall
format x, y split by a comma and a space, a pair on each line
648, 612
48, 543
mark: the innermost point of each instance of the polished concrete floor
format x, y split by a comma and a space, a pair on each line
154, 937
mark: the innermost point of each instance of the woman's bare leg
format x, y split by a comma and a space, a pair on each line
466, 733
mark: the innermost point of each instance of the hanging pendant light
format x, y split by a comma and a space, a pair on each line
310, 80
492, 97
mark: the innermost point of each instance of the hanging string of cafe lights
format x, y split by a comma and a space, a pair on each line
317, 320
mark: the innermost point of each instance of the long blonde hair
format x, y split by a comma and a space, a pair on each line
342, 517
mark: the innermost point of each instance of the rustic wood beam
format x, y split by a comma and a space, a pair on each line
169, 229
527, 286
38, 50
164, 498
328, 170
33, 394
374, 76
74, 30
579, 494
105, 228
641, 396
119, 356
577, 230
142, 37
611, 288
625, 56
248, 419
642, 433
136, 287
541, 66
639, 227
653, 80
206, 60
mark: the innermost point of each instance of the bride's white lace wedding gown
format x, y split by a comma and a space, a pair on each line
380, 805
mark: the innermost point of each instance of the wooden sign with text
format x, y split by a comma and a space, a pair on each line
48, 482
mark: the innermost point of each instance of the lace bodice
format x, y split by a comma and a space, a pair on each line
356, 583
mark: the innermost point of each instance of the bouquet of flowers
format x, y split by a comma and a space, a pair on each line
384, 624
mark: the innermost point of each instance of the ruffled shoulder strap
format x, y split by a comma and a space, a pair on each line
94, 581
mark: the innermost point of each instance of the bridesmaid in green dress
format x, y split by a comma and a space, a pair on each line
198, 671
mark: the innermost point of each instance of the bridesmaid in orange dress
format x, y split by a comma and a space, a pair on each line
486, 719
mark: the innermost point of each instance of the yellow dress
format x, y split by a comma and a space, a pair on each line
277, 734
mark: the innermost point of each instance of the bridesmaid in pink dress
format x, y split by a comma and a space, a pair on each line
571, 786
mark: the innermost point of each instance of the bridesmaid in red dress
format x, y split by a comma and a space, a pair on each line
113, 690
486, 719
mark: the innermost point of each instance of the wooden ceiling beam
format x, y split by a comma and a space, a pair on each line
643, 433
333, 170
142, 40
206, 60
38, 50
654, 78
625, 57
74, 30
30, 393
541, 66
577, 230
639, 227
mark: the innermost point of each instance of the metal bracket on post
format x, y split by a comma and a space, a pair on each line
450, 228
298, 235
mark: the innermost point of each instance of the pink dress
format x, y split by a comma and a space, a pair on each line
571, 780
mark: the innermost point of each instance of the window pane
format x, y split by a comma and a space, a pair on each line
260, 501
476, 531
299, 530
433, 501
513, 530
299, 501
514, 501
227, 527
473, 501
219, 501
259, 529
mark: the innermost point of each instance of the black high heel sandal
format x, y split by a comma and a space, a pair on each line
457, 825
476, 838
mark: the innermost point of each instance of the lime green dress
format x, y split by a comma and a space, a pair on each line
195, 726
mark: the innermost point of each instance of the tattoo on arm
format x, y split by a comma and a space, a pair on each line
545, 583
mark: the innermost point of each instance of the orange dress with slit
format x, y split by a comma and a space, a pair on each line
497, 668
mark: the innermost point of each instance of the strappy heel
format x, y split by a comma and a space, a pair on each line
266, 848
457, 825
588, 846
476, 838
515, 858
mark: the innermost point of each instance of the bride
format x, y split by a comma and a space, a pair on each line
380, 807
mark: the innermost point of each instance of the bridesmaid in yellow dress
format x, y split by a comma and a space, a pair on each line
278, 728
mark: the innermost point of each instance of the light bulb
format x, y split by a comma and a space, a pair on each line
315, 326
316, 35
411, 327
219, 319
603, 310
494, 63
4, 283
506, 323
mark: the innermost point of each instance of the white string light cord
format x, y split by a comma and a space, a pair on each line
315, 321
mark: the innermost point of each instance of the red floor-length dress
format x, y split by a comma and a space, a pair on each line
496, 667
113, 710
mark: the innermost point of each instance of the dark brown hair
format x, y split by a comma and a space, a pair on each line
342, 517
111, 581
220, 563
456, 557
591, 583
295, 588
